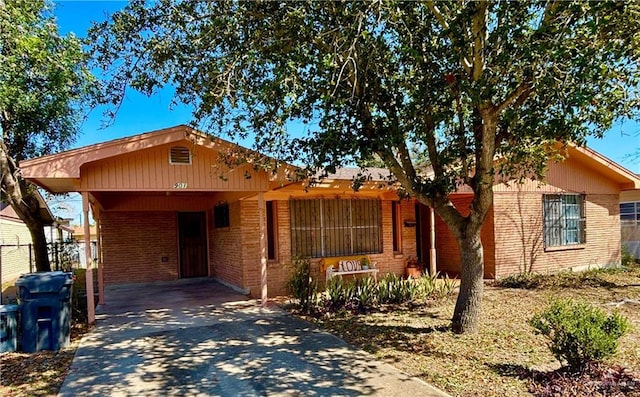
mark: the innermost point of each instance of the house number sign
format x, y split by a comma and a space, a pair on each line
180, 185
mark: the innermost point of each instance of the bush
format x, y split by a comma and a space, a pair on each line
521, 280
580, 334
301, 284
79, 297
432, 286
394, 289
365, 292
627, 260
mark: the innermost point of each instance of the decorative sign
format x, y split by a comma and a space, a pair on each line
180, 185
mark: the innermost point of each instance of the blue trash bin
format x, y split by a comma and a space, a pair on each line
8, 328
45, 310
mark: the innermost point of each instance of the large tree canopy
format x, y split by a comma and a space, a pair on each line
44, 82
454, 84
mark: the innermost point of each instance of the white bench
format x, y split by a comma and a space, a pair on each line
351, 267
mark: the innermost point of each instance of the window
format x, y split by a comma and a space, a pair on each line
271, 231
335, 227
564, 220
630, 212
221, 215
179, 155
395, 223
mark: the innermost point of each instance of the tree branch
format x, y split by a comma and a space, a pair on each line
466, 65
432, 145
518, 96
479, 32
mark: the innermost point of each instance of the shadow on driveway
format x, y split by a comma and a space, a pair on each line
199, 338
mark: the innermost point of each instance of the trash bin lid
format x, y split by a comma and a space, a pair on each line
43, 282
8, 308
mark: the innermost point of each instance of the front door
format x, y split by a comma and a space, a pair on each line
193, 244
423, 241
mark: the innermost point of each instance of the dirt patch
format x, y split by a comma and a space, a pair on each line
40, 373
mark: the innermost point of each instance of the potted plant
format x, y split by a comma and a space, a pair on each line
413, 268
364, 263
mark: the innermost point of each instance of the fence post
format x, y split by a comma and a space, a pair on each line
57, 251
30, 259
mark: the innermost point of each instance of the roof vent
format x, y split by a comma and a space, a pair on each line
180, 155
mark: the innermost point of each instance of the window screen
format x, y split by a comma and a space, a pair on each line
335, 227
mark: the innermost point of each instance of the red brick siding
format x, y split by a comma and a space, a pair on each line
408, 213
519, 240
447, 251
134, 244
226, 249
277, 271
250, 235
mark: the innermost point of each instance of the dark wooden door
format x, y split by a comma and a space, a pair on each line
423, 236
193, 244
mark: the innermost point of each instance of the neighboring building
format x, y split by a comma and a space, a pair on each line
167, 208
630, 221
16, 255
78, 236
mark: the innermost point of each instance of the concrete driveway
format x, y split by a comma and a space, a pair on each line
199, 338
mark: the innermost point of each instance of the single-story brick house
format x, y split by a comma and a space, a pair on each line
166, 208
630, 221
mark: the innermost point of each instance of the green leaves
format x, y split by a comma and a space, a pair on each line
44, 81
369, 77
580, 334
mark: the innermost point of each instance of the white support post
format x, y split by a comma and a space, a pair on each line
91, 314
432, 242
263, 250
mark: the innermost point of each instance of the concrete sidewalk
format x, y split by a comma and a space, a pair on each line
201, 339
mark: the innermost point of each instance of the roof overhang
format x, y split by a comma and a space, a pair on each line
610, 169
61, 172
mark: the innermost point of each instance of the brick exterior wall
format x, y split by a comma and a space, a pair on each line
134, 245
278, 272
225, 248
447, 251
143, 246
519, 235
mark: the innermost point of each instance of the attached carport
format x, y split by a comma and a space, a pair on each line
154, 197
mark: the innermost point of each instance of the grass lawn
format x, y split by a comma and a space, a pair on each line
416, 339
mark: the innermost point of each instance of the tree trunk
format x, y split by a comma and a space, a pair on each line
22, 196
40, 249
467, 310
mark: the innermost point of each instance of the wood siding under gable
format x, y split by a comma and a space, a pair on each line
569, 176
150, 170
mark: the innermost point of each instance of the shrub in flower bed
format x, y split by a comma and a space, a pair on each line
595, 380
364, 294
580, 334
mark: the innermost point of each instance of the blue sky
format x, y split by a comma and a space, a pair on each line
139, 113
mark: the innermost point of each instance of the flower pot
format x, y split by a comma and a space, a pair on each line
413, 272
